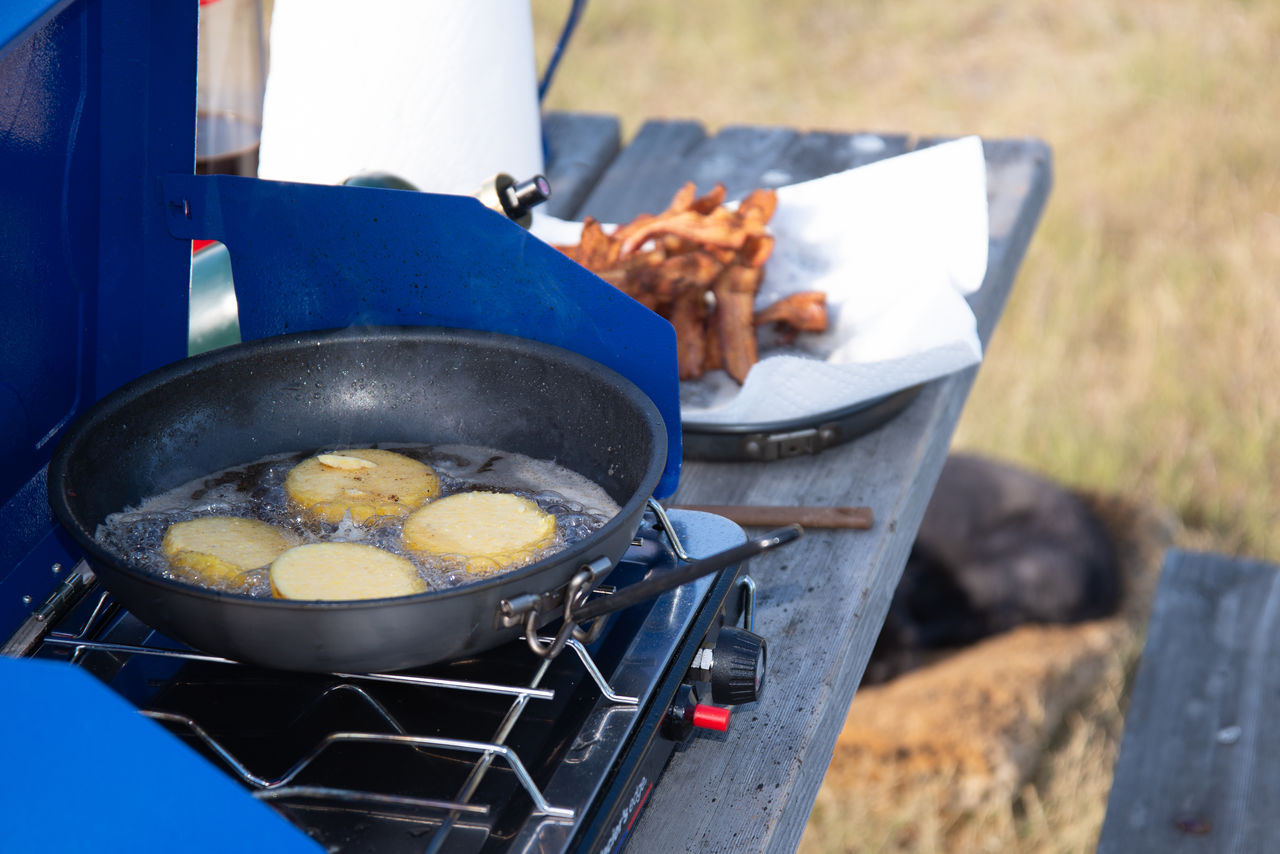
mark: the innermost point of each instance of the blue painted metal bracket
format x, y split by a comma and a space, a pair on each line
308, 256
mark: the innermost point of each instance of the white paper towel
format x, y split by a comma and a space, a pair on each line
442, 93
896, 245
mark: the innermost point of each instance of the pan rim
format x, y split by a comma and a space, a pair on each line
576, 554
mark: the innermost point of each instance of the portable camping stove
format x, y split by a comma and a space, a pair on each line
504, 751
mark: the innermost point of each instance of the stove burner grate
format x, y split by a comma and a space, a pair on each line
499, 751
278, 788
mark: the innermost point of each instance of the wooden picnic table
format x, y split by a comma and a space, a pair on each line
821, 601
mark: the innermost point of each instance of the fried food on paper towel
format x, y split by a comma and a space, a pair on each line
700, 264
804, 311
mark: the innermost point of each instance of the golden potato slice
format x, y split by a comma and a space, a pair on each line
366, 482
343, 571
492, 530
218, 548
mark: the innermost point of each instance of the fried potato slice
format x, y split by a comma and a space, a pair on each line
343, 571
366, 482
218, 548
492, 530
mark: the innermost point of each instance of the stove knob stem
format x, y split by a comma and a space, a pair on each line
515, 200
738, 667
519, 199
686, 716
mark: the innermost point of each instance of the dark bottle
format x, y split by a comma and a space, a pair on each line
230, 86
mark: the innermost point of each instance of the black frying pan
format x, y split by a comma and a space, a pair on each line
353, 388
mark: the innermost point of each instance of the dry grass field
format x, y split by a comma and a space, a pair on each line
1137, 351
1137, 354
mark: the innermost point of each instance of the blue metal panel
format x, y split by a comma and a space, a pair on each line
47, 236
97, 103
97, 111
148, 117
19, 19
49, 133
158, 796
29, 553
310, 257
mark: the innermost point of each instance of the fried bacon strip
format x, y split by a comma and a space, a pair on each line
805, 311
688, 314
700, 264
735, 293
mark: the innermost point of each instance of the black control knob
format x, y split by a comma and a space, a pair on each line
737, 667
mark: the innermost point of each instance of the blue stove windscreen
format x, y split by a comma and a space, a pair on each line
97, 103
308, 257
97, 207
88, 772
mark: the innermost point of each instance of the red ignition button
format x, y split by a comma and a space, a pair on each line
711, 717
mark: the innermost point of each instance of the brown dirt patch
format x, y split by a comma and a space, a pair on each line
948, 757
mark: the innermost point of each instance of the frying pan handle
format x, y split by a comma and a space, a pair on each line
662, 582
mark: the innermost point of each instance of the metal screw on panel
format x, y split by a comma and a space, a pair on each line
26, 600
56, 568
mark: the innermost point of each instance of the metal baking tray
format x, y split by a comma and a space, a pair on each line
776, 440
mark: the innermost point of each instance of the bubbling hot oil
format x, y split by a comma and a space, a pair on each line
256, 491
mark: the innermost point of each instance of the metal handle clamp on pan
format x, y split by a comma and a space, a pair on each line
577, 611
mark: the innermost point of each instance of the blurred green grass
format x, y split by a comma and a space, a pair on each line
1136, 352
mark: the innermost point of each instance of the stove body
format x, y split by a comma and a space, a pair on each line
504, 751
99, 205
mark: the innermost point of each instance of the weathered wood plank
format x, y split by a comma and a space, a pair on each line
578, 148
822, 600
734, 156
1197, 766
819, 153
648, 172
